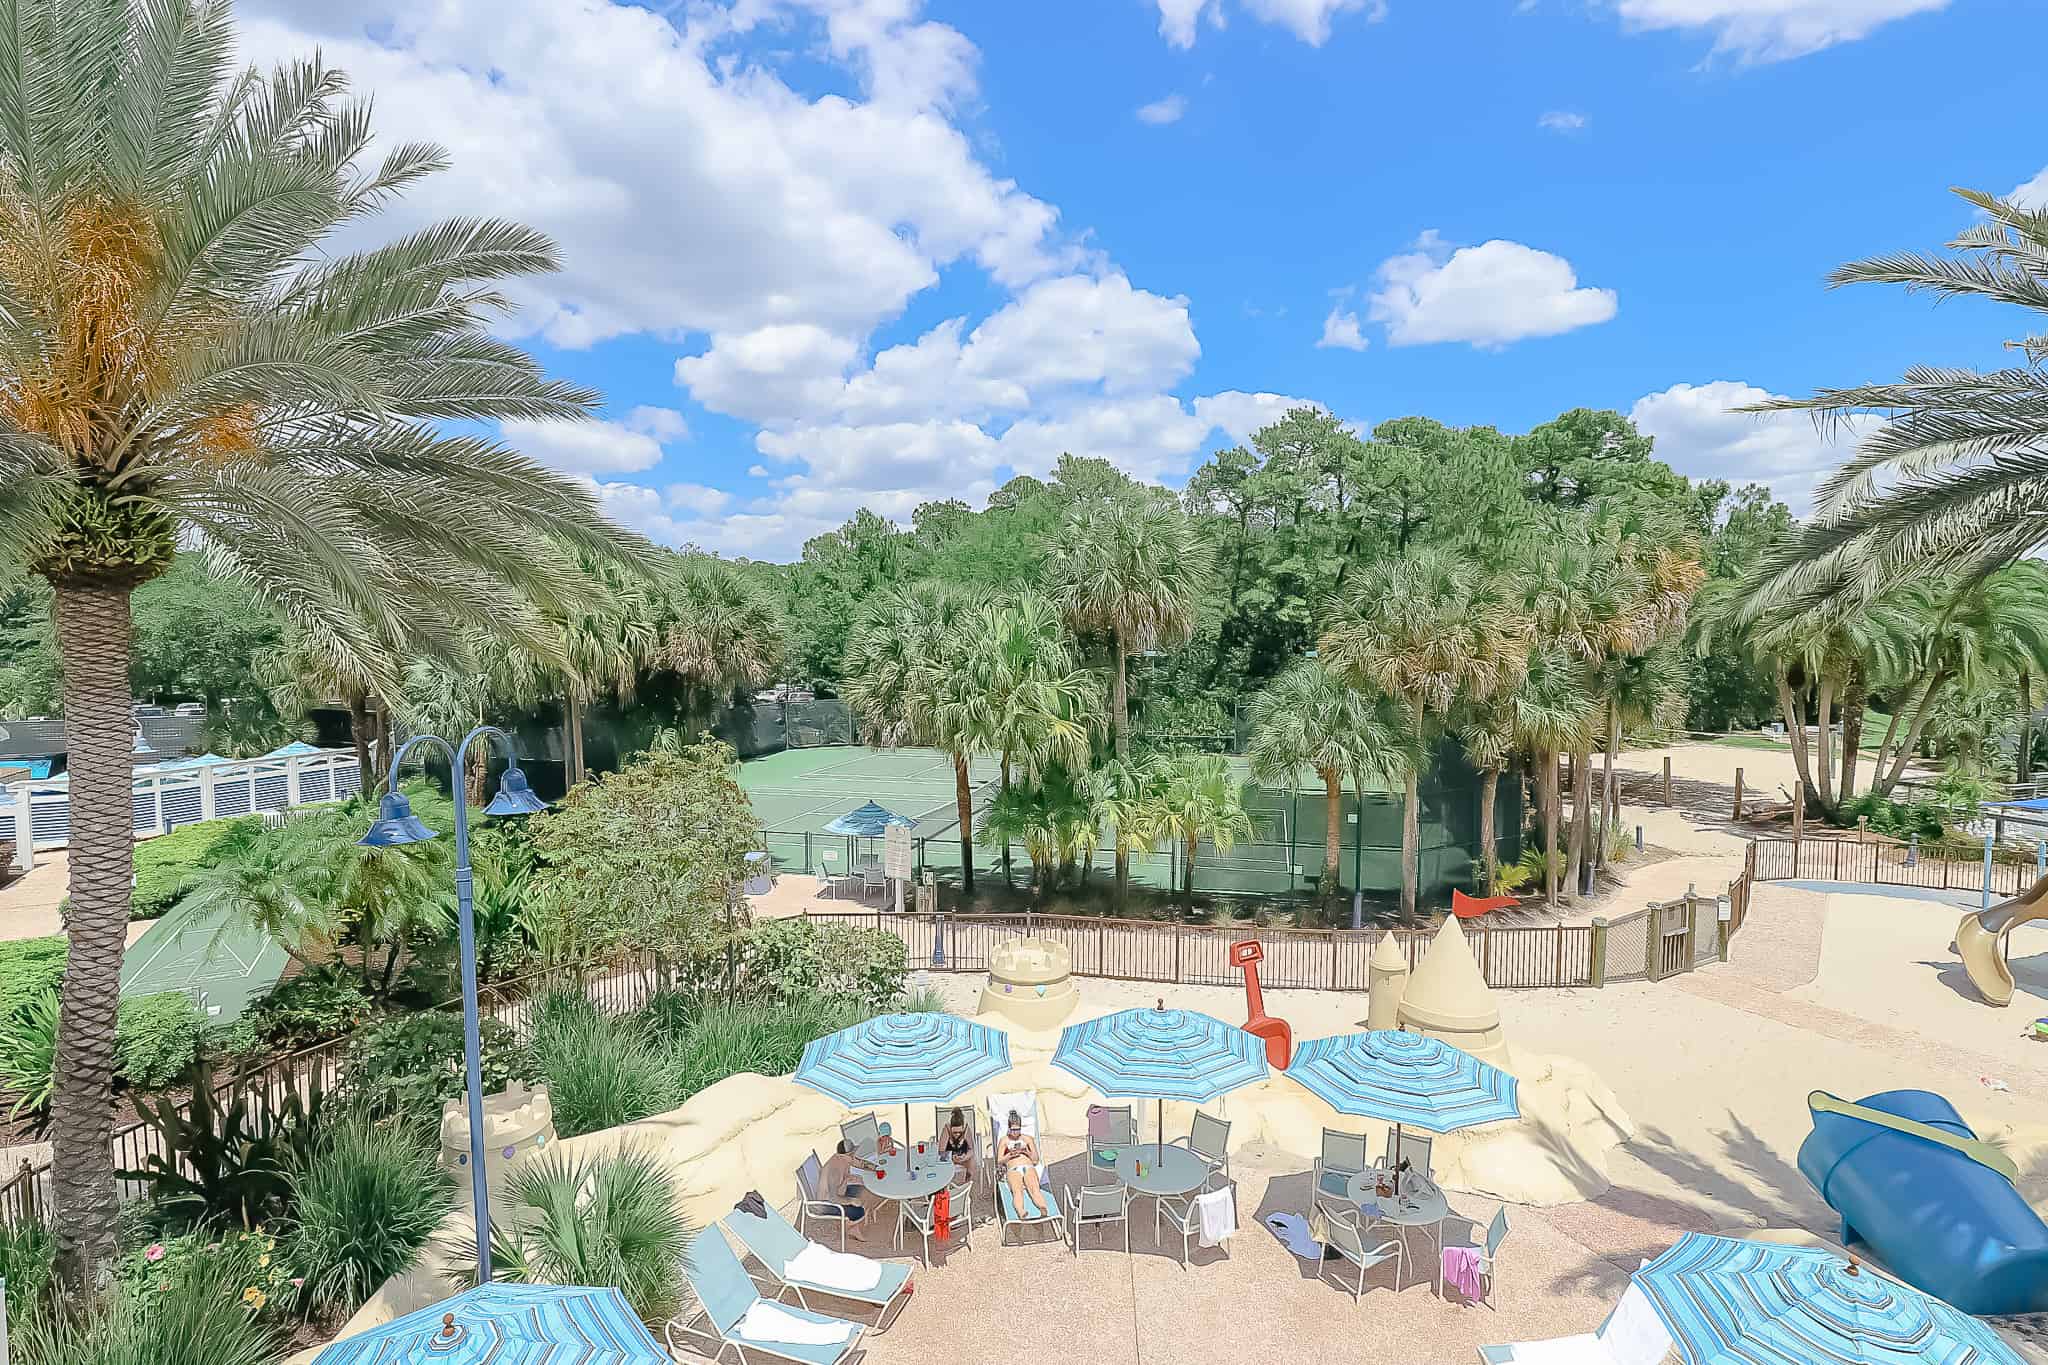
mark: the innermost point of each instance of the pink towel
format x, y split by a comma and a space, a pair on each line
1461, 1268
1098, 1123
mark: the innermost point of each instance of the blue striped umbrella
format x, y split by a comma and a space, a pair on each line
508, 1324
1161, 1054
1732, 1302
1405, 1079
869, 822
903, 1059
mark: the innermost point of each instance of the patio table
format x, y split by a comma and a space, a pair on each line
1420, 1204
926, 1176
1168, 1171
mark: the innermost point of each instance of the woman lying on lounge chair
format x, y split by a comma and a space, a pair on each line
1019, 1154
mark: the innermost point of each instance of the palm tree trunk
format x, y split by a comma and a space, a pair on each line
573, 704
1549, 801
1411, 844
1489, 856
963, 800
1333, 831
1005, 787
1607, 783
1187, 895
359, 736
1795, 729
2023, 767
1855, 702
94, 635
1824, 712
1582, 819
380, 724
1911, 742
1120, 700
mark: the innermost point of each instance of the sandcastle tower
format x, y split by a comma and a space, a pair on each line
518, 1124
1447, 998
1387, 978
1031, 980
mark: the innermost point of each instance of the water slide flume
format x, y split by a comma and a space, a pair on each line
1981, 941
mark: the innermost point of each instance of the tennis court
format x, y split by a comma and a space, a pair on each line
221, 965
800, 791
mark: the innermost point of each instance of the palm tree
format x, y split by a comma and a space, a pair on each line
1415, 628
1196, 797
1136, 570
1308, 718
1121, 794
1052, 817
1951, 465
900, 657
188, 355
1550, 714
721, 629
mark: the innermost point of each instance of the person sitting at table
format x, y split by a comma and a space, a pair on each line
885, 1141
842, 1181
956, 1145
1018, 1152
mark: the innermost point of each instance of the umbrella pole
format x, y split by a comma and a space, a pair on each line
905, 1144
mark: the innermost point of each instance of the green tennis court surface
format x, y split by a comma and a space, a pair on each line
800, 791
223, 969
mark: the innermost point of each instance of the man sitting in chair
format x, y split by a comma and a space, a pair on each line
1019, 1154
842, 1181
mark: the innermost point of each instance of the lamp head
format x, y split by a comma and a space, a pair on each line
514, 796
396, 825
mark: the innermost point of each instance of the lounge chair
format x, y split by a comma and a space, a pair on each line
731, 1311
1344, 1155
1632, 1335
1098, 1206
1488, 1248
1025, 1102
815, 1204
1343, 1235
1209, 1139
775, 1245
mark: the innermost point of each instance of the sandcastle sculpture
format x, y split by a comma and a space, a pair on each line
1031, 982
1447, 998
518, 1124
1387, 978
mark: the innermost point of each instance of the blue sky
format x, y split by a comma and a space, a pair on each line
822, 254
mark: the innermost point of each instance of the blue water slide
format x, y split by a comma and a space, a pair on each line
1941, 1221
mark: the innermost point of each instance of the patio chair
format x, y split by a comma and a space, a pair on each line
1183, 1214
776, 1246
1496, 1233
919, 1215
815, 1203
1110, 1126
1414, 1150
863, 1133
1343, 1235
1344, 1155
1025, 1102
872, 878
731, 1311
1632, 1335
1209, 1139
1097, 1206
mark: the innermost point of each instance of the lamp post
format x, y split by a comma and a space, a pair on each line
397, 826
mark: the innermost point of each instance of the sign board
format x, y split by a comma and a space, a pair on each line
896, 852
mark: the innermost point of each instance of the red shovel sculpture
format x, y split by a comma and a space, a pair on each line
1279, 1037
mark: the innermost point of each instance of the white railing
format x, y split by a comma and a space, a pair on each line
164, 799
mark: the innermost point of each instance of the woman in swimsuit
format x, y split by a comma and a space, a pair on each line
955, 1145
1019, 1155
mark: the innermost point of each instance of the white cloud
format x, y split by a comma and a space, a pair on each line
1240, 414
1489, 295
696, 498
1698, 435
584, 447
1562, 121
1340, 329
2034, 193
663, 424
770, 372
1771, 30
1150, 437
1162, 111
1308, 20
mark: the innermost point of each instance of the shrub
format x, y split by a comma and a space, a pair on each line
29, 967
923, 1000
304, 1010
227, 1159
768, 1039
670, 1013
28, 1255
205, 1309
603, 1070
367, 1195
157, 1039
794, 959
607, 1220
411, 1064
28, 1054
163, 864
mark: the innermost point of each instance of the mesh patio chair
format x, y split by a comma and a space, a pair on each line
863, 1133
872, 878
1183, 1215
1344, 1236
1118, 1126
1209, 1139
1097, 1206
1344, 1155
1488, 1247
921, 1216
1415, 1148
814, 1203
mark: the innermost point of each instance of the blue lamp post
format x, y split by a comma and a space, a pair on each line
396, 827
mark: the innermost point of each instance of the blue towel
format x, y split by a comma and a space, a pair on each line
1292, 1230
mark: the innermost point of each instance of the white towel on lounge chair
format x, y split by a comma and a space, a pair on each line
767, 1321
1217, 1212
831, 1269
1583, 1349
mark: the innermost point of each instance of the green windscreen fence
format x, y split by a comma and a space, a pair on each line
796, 793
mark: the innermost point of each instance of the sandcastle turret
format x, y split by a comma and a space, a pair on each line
1447, 998
1387, 982
518, 1124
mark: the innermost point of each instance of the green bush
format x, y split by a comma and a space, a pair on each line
409, 1065
163, 864
29, 967
201, 1308
798, 959
368, 1195
217, 1158
28, 1256
603, 1070
305, 1010
28, 1054
765, 1038
157, 1039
